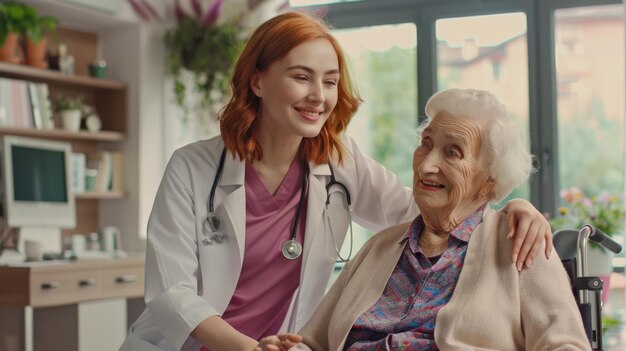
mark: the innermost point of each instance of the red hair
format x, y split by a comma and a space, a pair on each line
272, 41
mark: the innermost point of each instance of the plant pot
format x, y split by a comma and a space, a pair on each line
36, 53
7, 50
71, 120
600, 264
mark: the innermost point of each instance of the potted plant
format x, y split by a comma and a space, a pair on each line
12, 24
199, 45
36, 29
208, 50
70, 109
605, 212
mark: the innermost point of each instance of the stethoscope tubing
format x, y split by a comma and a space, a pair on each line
214, 222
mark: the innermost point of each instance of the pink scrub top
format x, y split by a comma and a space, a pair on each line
268, 280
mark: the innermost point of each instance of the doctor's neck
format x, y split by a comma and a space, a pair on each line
278, 155
278, 150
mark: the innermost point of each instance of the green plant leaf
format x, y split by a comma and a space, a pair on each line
208, 53
24, 19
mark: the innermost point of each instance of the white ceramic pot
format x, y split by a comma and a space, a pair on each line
71, 120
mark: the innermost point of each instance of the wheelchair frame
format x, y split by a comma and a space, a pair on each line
587, 290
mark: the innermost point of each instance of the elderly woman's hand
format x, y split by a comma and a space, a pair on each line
281, 342
529, 229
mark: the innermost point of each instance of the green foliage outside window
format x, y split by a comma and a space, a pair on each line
393, 106
591, 148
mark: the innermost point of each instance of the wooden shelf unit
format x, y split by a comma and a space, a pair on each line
93, 195
53, 306
58, 284
108, 97
102, 136
25, 72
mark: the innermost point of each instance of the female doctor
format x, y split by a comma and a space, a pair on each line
246, 227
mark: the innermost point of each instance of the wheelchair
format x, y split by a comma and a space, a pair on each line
571, 245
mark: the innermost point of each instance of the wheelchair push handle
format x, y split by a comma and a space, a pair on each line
600, 238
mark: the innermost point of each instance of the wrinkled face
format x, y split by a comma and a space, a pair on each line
299, 92
447, 174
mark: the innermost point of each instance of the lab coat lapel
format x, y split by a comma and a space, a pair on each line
313, 258
315, 207
231, 194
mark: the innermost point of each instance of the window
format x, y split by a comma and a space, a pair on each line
382, 64
558, 65
491, 53
589, 61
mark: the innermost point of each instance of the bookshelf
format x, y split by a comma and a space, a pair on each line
95, 195
130, 118
60, 134
108, 97
25, 72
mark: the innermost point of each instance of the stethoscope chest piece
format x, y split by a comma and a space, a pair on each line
212, 234
291, 249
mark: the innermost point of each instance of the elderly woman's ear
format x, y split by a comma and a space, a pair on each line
487, 191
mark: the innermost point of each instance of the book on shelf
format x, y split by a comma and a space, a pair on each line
43, 95
79, 166
17, 111
117, 183
35, 105
103, 172
24, 104
5, 102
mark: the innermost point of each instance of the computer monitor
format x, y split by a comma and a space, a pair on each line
37, 183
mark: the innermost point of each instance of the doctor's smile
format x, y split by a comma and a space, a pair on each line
309, 115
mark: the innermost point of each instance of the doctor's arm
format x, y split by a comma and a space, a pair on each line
218, 335
315, 335
172, 263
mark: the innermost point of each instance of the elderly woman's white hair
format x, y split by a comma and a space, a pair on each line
504, 148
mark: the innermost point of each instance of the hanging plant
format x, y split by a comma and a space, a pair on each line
199, 45
208, 53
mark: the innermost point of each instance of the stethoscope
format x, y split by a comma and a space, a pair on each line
291, 249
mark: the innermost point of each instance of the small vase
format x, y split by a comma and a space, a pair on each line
7, 50
71, 120
36, 53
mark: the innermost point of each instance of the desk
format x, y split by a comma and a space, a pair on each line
68, 306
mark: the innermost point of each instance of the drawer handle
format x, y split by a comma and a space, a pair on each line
50, 285
128, 278
87, 282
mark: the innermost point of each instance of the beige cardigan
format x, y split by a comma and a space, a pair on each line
494, 307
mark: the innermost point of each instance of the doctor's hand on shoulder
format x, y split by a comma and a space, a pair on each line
528, 230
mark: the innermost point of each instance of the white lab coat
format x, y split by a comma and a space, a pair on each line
187, 281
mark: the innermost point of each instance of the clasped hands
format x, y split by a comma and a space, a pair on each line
280, 342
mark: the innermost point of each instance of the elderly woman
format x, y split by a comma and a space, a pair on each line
445, 281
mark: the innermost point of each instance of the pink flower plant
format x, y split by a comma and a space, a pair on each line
604, 211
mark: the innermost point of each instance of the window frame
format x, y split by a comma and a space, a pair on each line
544, 185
